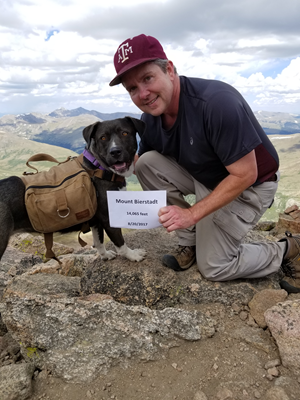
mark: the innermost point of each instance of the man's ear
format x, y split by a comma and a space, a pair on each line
171, 69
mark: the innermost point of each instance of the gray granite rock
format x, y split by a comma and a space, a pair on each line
16, 381
283, 321
77, 339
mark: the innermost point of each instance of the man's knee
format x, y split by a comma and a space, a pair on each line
210, 272
144, 161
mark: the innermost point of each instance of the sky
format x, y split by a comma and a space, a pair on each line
59, 53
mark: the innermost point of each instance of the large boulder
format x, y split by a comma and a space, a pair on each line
151, 284
77, 338
283, 321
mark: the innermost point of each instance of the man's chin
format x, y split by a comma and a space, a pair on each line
155, 112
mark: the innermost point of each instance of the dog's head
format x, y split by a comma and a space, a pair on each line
113, 143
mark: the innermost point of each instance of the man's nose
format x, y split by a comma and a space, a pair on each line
143, 92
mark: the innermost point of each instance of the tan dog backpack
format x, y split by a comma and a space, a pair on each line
59, 198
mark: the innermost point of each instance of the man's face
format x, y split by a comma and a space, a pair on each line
150, 88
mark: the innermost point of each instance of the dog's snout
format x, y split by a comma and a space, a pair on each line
115, 151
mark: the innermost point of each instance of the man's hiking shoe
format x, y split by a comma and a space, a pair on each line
181, 259
291, 260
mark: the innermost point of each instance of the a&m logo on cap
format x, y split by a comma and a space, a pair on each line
124, 50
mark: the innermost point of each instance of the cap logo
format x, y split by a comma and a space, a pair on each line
124, 51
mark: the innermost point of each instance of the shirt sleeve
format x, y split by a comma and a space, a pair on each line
229, 127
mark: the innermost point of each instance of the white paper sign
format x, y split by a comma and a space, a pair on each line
135, 210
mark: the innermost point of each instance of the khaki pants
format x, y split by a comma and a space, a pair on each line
220, 254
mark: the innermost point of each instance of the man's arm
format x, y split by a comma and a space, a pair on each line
242, 174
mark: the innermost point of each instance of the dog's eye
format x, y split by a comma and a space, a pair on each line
124, 133
103, 138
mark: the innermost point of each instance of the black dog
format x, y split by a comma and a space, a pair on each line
111, 146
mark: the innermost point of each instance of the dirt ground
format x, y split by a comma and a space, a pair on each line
221, 367
231, 365
225, 366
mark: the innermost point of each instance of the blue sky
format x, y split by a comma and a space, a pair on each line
60, 54
51, 32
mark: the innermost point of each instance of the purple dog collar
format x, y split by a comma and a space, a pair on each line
107, 175
92, 159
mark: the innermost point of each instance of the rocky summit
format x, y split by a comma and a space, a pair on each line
86, 328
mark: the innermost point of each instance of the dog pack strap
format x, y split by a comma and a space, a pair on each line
108, 176
48, 238
43, 157
85, 228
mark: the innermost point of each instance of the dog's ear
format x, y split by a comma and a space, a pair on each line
89, 132
139, 125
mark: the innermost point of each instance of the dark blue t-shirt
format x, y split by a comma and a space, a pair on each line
214, 128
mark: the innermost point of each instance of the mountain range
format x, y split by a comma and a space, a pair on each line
64, 127
61, 127
60, 135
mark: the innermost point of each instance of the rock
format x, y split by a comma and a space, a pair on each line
273, 371
243, 315
70, 265
200, 396
290, 209
43, 284
283, 321
264, 300
257, 394
150, 284
224, 394
295, 215
34, 244
3, 329
14, 260
265, 226
276, 393
287, 223
273, 363
69, 324
284, 381
254, 336
77, 339
9, 345
16, 381
251, 321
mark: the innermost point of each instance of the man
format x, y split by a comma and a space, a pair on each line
202, 137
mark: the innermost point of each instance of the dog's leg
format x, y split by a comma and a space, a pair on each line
7, 226
98, 237
115, 235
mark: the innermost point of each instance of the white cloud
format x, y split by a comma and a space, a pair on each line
59, 54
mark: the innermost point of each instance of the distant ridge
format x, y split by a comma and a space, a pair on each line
64, 127
61, 127
277, 123
62, 112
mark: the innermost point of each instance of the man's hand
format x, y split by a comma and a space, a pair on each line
174, 217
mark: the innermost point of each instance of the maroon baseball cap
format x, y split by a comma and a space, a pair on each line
136, 51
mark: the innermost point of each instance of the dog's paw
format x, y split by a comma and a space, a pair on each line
132, 255
137, 254
108, 255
